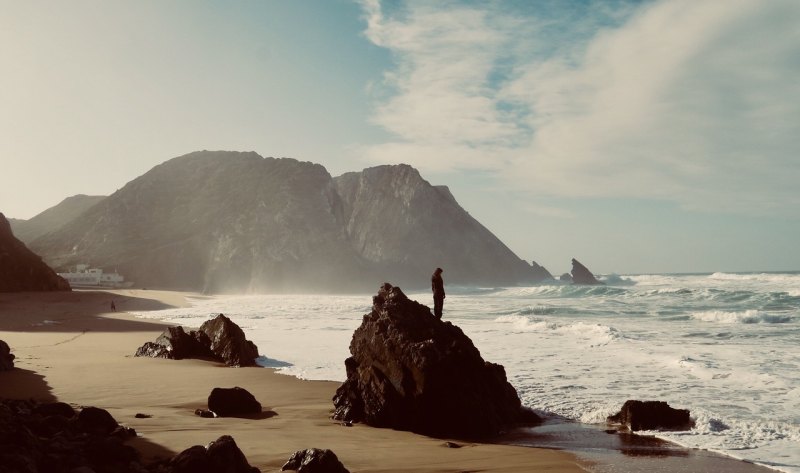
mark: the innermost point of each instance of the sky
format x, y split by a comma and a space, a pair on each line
636, 136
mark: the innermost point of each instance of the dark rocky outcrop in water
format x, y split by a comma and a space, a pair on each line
21, 269
219, 338
566, 277
55, 217
231, 402
652, 415
237, 222
6, 357
582, 275
411, 371
314, 460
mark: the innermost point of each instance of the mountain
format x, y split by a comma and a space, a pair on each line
54, 217
21, 269
236, 222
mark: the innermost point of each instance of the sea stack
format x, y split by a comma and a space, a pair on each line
582, 275
412, 371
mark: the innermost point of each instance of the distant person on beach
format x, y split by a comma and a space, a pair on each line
113, 307
437, 286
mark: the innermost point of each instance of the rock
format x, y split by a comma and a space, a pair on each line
218, 339
61, 409
566, 277
221, 456
204, 413
226, 402
44, 438
411, 371
23, 270
226, 457
452, 445
228, 342
314, 460
96, 421
139, 415
582, 275
6, 357
652, 415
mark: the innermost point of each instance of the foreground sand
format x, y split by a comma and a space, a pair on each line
69, 348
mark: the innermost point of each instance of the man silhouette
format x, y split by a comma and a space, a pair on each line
437, 286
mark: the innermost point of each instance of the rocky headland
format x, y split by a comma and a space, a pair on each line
581, 274
21, 269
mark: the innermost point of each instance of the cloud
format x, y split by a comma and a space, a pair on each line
689, 101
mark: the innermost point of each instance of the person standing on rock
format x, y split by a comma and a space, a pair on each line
437, 286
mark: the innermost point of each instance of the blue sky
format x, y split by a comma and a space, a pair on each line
636, 136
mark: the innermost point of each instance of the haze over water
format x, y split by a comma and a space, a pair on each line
722, 345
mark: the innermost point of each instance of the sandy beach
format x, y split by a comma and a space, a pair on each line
70, 348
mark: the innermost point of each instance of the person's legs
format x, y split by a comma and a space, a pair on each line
438, 302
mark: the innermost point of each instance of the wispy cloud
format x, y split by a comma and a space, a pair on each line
690, 101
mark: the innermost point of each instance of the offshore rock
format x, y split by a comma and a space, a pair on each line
314, 460
227, 402
219, 339
566, 277
652, 415
6, 357
582, 275
23, 270
411, 371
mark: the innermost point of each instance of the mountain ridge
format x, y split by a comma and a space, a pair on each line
221, 221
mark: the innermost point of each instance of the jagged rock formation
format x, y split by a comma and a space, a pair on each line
219, 338
21, 269
582, 275
237, 222
220, 456
314, 460
411, 371
229, 402
54, 218
651, 415
6, 357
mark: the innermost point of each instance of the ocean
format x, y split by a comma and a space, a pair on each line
726, 346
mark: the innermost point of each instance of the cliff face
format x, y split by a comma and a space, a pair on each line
21, 269
231, 222
54, 218
396, 219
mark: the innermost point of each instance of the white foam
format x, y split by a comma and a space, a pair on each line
744, 317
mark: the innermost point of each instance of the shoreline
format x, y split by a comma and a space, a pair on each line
70, 348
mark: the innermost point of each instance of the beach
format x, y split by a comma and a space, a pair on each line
69, 347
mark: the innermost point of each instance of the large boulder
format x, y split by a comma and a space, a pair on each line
652, 415
227, 402
228, 342
6, 357
314, 460
23, 270
582, 275
220, 456
219, 339
411, 371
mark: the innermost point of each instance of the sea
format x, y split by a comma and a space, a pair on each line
726, 346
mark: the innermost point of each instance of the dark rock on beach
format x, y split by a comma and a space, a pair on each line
411, 371
218, 339
652, 415
23, 270
220, 456
582, 275
314, 460
227, 341
227, 402
6, 357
